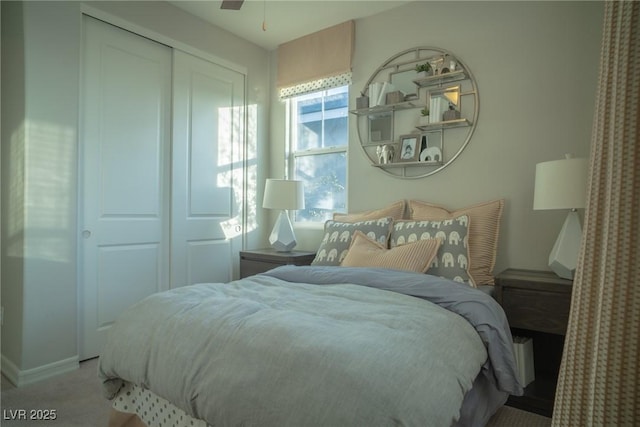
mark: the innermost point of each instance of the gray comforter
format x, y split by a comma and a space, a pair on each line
314, 346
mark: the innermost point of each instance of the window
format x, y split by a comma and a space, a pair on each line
319, 133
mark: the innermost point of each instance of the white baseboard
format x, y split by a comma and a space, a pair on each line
29, 376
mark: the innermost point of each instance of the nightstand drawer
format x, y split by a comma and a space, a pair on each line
537, 310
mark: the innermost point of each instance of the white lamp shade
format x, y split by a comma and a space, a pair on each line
283, 194
560, 184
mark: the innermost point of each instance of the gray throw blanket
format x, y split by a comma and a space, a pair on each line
279, 350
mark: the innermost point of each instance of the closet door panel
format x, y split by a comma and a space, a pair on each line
201, 254
128, 143
208, 134
208, 159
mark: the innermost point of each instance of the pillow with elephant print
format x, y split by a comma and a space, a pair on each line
338, 235
452, 259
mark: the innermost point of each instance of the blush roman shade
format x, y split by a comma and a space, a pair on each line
317, 61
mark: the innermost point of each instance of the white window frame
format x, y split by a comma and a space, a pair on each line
292, 154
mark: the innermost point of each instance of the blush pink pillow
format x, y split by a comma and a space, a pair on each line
416, 257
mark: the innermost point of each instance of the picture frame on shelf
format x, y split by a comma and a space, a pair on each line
408, 148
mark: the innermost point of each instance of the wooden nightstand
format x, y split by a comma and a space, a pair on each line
261, 260
537, 305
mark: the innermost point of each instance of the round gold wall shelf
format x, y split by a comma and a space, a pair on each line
392, 131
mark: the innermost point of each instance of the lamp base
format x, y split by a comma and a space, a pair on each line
282, 238
564, 255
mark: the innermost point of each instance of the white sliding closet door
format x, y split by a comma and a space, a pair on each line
125, 167
207, 168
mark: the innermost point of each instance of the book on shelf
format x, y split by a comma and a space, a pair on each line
437, 106
374, 93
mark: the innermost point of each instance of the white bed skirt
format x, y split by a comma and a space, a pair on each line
153, 410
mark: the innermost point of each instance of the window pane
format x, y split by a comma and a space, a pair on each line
336, 104
311, 110
325, 180
309, 121
335, 132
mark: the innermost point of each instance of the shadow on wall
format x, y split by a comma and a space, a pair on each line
41, 208
231, 130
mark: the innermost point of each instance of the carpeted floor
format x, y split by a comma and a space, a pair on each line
77, 400
512, 417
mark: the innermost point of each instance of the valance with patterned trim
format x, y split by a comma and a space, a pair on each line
317, 61
316, 85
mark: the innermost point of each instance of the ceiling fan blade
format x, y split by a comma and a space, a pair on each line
231, 4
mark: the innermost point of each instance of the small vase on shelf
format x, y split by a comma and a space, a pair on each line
450, 114
423, 70
423, 120
362, 101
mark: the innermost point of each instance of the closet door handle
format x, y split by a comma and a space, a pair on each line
86, 234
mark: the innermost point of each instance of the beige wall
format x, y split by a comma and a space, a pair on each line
536, 67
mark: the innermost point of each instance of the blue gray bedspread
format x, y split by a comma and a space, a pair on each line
276, 349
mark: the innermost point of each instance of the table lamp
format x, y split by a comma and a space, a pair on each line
561, 184
285, 195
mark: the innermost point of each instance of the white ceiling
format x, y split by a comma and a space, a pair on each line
285, 20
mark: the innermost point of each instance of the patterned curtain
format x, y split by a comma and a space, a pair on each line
599, 377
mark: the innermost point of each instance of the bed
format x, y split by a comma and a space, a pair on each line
321, 345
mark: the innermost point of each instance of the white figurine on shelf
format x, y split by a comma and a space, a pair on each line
431, 154
385, 154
